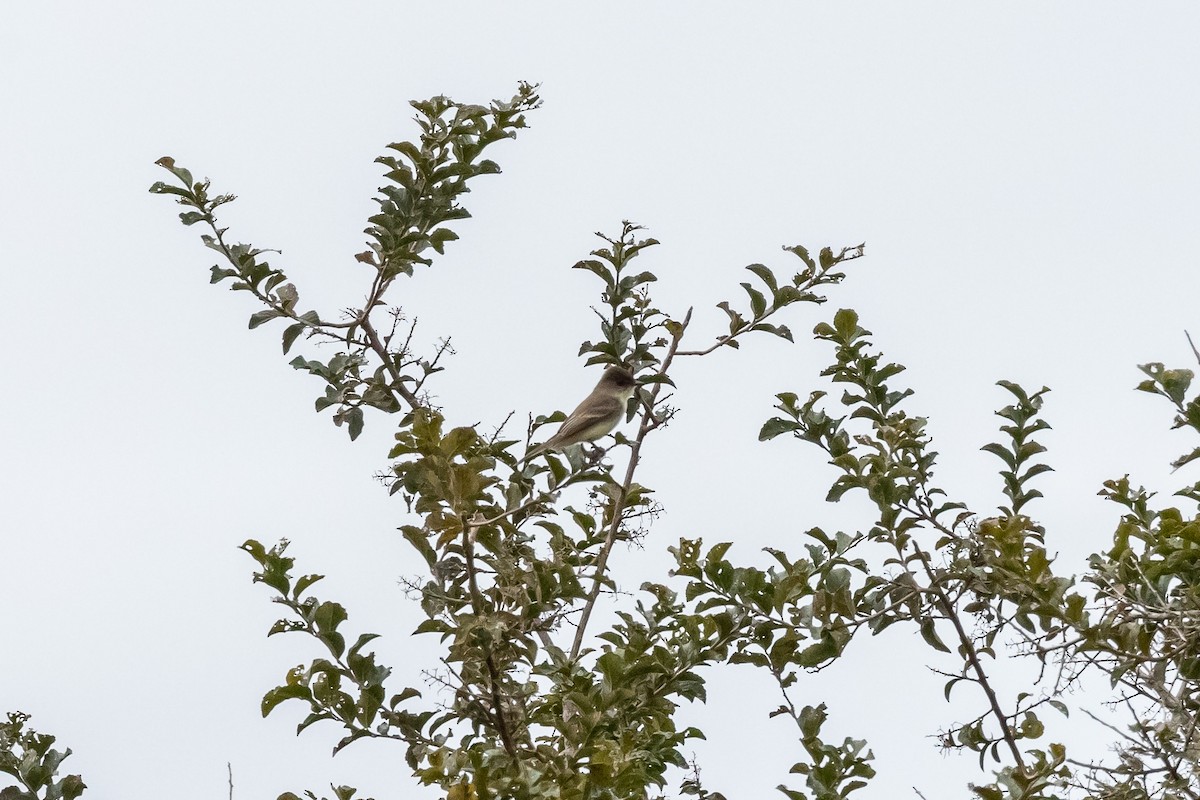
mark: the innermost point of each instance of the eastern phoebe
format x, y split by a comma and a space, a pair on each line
598, 414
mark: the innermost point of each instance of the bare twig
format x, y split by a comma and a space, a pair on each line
381, 350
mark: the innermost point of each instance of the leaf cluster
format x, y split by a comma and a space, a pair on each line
30, 758
376, 366
1147, 623
535, 708
537, 698
962, 584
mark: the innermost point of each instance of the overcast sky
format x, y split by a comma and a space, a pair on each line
1024, 176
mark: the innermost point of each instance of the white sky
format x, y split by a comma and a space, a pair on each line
1025, 176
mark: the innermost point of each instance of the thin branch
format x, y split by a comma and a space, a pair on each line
722, 341
968, 649
274, 305
648, 424
381, 350
493, 671
847, 254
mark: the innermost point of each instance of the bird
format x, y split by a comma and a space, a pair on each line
598, 414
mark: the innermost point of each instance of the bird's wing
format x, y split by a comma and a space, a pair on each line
587, 414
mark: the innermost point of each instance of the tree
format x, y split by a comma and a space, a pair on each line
560, 688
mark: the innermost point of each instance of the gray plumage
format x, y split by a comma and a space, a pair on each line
598, 414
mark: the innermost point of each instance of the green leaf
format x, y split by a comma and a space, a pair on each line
407, 694
1186, 459
71, 787
775, 427
255, 549
158, 187
355, 427
290, 334
1036, 469
419, 539
329, 616
432, 626
346, 792
302, 583
782, 331
360, 642
263, 316
802, 253
280, 693
845, 322
758, 303
439, 238
765, 275
816, 654
1001, 452
929, 634
598, 268
219, 274
1175, 383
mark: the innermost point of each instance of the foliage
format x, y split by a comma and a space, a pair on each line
552, 685
542, 710
1146, 637
425, 182
29, 757
542, 706
982, 583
